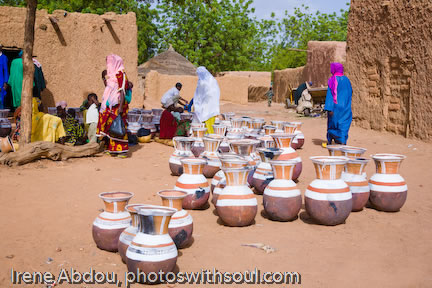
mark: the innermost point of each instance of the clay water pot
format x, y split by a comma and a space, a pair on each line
258, 124
298, 140
328, 198
130, 232
268, 129
247, 149
282, 199
228, 116
181, 225
194, 183
388, 189
355, 177
198, 135
152, 249
236, 127
228, 161
182, 146
5, 127
236, 205
279, 126
109, 224
267, 141
349, 151
220, 129
289, 128
6, 145
283, 142
335, 150
211, 146
264, 173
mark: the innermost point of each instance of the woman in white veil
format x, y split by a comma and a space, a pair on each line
206, 98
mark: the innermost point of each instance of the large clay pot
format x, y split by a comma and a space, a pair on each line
108, 225
267, 141
355, 177
258, 124
194, 183
269, 129
328, 198
183, 146
289, 128
198, 146
228, 160
282, 199
279, 126
228, 116
181, 225
211, 146
264, 173
236, 205
283, 141
6, 145
221, 130
236, 127
152, 249
388, 190
298, 140
349, 151
247, 149
335, 150
130, 232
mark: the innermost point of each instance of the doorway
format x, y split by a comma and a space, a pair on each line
11, 53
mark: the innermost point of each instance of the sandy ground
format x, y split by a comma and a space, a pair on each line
48, 206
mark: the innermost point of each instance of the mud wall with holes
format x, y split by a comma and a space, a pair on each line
389, 62
72, 48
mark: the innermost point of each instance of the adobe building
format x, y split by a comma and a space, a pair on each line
389, 63
72, 48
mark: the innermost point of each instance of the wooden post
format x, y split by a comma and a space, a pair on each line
28, 73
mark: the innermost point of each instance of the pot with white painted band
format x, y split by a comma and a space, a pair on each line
350, 151
335, 149
246, 148
283, 142
269, 129
198, 135
194, 183
267, 141
289, 128
109, 224
228, 116
237, 205
388, 189
264, 173
328, 198
220, 130
182, 146
181, 225
152, 249
211, 146
130, 232
282, 199
355, 177
279, 126
298, 140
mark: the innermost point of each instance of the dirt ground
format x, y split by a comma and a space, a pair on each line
49, 206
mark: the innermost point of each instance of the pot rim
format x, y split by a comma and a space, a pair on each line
127, 195
351, 149
358, 160
130, 208
199, 128
213, 137
337, 160
183, 194
236, 169
388, 156
335, 146
277, 121
282, 135
183, 139
156, 210
273, 150
290, 162
193, 160
245, 142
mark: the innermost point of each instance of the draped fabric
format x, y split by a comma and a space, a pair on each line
4, 77
168, 125
45, 127
106, 118
115, 72
207, 95
336, 69
15, 81
339, 123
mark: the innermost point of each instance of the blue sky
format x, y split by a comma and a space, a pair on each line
263, 8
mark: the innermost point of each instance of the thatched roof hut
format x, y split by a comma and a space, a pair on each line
169, 62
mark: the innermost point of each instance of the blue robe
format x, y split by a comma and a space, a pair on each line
4, 77
338, 125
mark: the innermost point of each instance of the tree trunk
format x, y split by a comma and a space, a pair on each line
28, 73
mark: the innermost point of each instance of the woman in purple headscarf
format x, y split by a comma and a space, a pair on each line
338, 105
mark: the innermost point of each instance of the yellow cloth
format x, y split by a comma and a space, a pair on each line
45, 127
209, 124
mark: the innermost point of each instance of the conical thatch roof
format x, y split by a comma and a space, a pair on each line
169, 62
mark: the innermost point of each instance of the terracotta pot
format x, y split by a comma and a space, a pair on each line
247, 149
267, 141
268, 129
335, 150
198, 146
228, 116
228, 160
181, 225
152, 249
282, 199
236, 127
211, 146
194, 183
279, 126
183, 146
108, 225
130, 232
328, 198
264, 173
298, 140
388, 189
220, 129
355, 177
349, 151
289, 128
236, 205
186, 116
258, 123
283, 141
6, 145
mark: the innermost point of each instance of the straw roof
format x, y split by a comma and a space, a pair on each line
169, 62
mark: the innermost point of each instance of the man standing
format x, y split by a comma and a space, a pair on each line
4, 76
172, 97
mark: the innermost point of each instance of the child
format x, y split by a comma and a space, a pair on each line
92, 117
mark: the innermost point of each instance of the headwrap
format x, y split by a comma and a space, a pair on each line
207, 94
62, 104
112, 89
336, 69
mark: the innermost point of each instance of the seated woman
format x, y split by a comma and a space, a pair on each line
171, 125
45, 127
75, 134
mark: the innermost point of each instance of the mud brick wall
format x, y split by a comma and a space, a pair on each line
389, 50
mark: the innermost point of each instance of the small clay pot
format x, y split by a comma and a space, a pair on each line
6, 145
